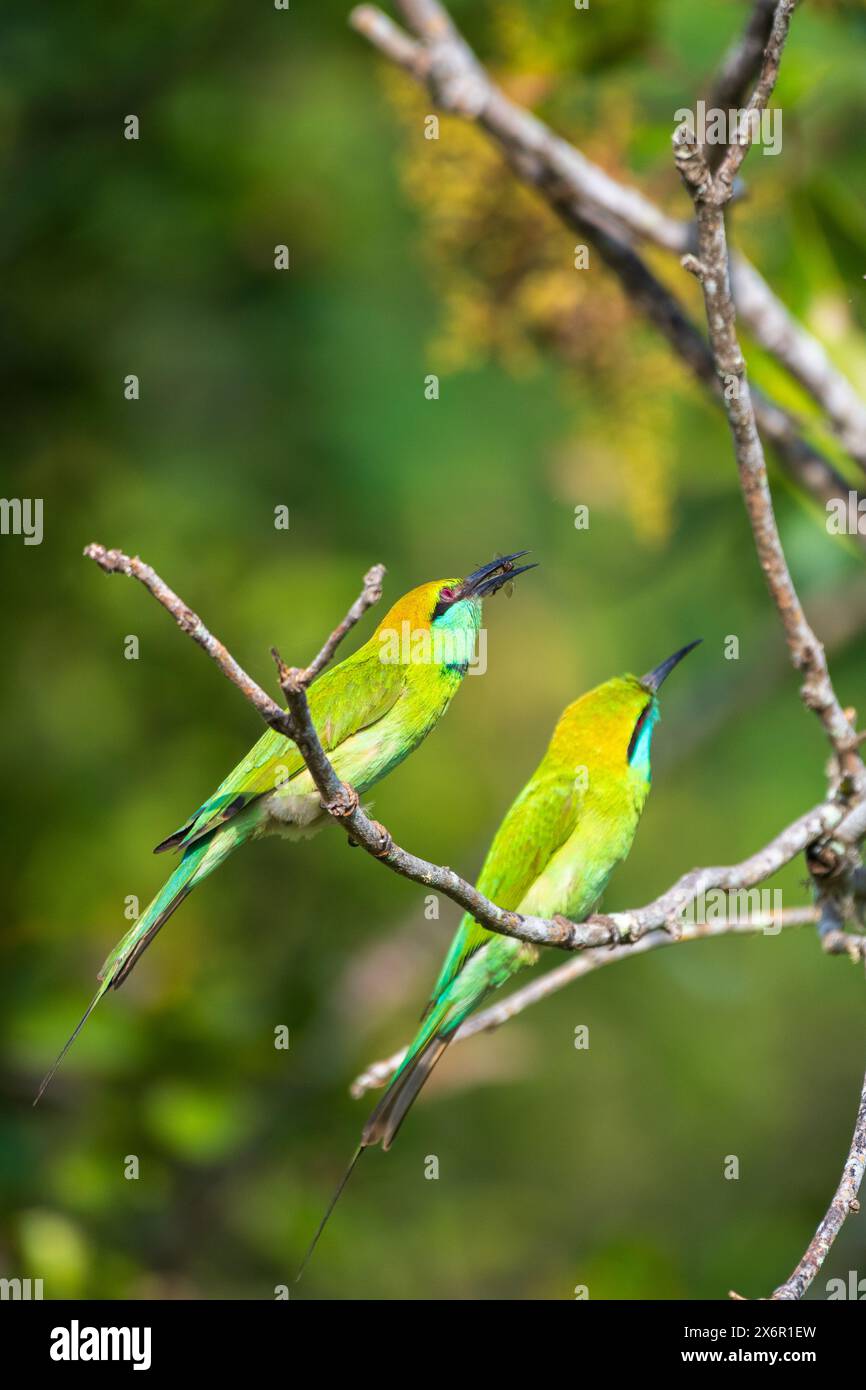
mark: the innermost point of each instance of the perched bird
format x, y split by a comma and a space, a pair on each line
552, 855
370, 712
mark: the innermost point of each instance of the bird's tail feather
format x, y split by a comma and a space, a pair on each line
49, 1075
338, 1192
125, 954
394, 1106
389, 1114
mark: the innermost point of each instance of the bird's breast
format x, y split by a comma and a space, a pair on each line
576, 875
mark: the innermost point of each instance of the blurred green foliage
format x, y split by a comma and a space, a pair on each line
557, 1167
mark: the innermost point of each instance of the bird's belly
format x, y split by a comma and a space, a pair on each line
563, 888
294, 810
573, 880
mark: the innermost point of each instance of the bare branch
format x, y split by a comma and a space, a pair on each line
774, 328
342, 804
767, 78
390, 39
115, 562
591, 201
742, 62
844, 1203
800, 460
380, 1073
600, 930
339, 800
710, 195
370, 594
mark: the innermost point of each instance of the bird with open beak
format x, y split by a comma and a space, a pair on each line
370, 713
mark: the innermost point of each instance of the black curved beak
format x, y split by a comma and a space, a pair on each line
492, 576
653, 679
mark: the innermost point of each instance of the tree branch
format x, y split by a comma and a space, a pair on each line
711, 193
844, 1203
644, 928
590, 201
379, 1073
742, 62
767, 79
115, 562
370, 594
341, 801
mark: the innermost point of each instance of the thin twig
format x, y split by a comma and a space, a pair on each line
767, 78
379, 1073
115, 562
710, 194
342, 804
741, 64
370, 594
844, 1203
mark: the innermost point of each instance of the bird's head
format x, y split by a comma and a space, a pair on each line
448, 609
615, 722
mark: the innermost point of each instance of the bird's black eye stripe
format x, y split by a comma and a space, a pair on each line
642, 718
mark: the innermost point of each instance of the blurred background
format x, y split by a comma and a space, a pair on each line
305, 389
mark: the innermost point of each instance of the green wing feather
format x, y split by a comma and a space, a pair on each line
345, 700
538, 823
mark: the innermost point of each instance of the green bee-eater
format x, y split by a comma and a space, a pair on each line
552, 855
370, 712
